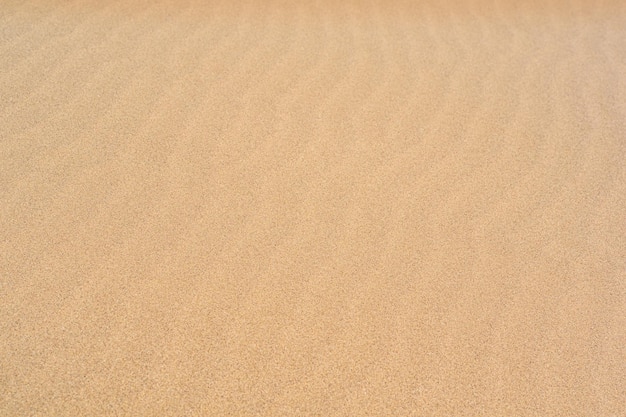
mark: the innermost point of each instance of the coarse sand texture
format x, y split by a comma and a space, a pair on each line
313, 208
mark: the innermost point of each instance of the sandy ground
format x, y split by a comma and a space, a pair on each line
312, 208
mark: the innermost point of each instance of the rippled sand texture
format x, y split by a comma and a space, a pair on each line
310, 208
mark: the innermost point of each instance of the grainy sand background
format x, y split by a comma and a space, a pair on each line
308, 208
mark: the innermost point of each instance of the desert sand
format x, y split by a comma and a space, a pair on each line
312, 208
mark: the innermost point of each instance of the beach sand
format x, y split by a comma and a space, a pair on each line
314, 208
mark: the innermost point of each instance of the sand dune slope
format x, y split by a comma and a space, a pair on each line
312, 208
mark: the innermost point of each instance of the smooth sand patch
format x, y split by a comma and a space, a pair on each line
312, 208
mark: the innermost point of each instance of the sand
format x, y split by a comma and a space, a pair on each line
340, 208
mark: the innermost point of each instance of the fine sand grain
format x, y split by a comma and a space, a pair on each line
312, 208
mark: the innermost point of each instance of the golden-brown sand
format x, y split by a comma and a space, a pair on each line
313, 208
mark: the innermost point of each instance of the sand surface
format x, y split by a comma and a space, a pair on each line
340, 208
